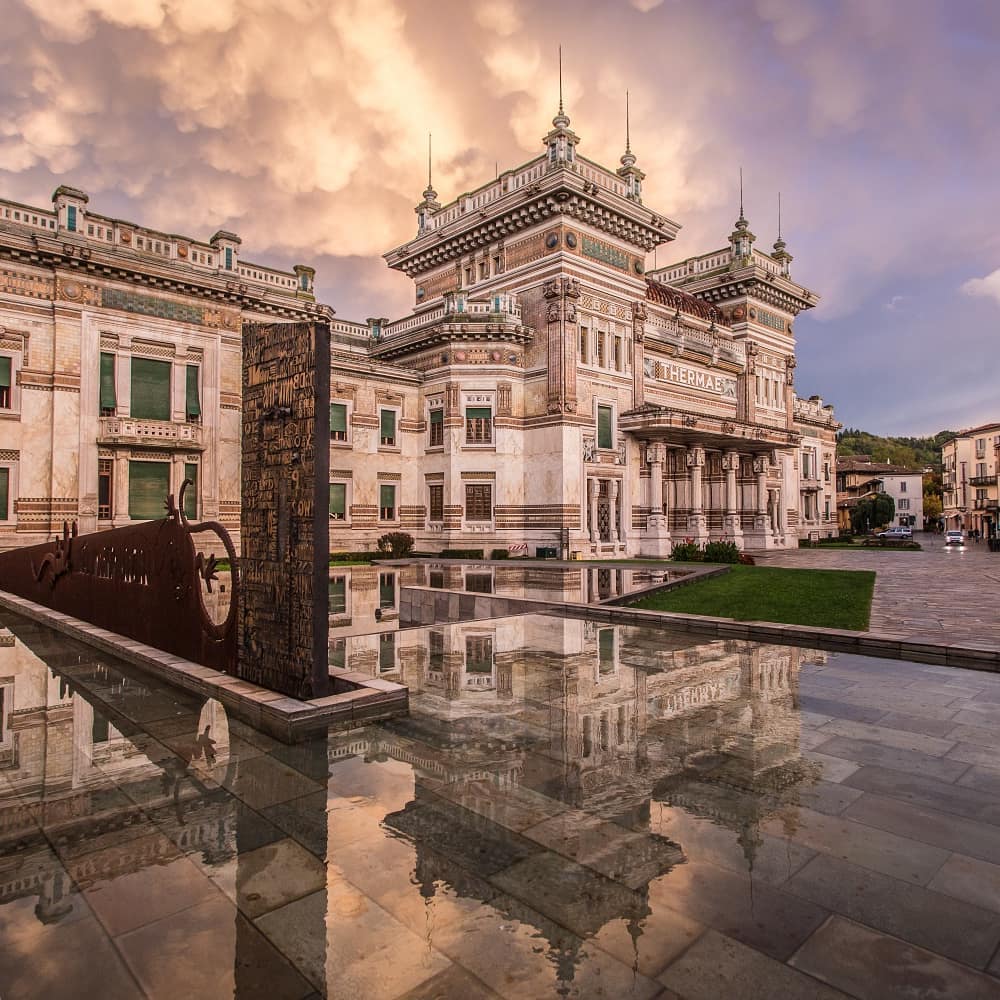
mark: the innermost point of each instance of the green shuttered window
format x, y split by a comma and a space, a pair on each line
5, 389
4, 494
109, 399
478, 425
387, 502
338, 595
387, 421
606, 649
191, 493
192, 405
387, 590
150, 389
437, 428
338, 421
338, 501
604, 436
148, 486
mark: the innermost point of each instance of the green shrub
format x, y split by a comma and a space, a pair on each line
722, 552
461, 553
499, 554
687, 552
344, 557
396, 543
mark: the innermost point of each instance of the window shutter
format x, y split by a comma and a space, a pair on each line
108, 398
606, 647
338, 417
478, 413
150, 389
387, 590
4, 494
387, 496
437, 416
604, 437
4, 373
388, 424
193, 405
148, 486
191, 493
338, 499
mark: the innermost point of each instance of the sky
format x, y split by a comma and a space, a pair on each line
302, 125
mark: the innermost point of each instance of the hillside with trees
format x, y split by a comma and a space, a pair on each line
913, 452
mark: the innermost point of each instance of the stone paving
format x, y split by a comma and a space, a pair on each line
940, 595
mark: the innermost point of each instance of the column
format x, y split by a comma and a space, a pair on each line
613, 486
760, 471
779, 495
731, 520
697, 523
592, 490
655, 542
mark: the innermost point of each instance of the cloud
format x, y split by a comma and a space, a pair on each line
895, 304
988, 287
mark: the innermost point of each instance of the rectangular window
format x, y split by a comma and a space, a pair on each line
148, 486
338, 654
605, 436
6, 395
435, 646
584, 337
229, 258
191, 493
150, 389
387, 652
600, 349
437, 429
618, 354
479, 583
192, 397
387, 425
4, 494
478, 502
338, 595
71, 218
338, 501
105, 488
902, 486
904, 504
100, 729
479, 654
478, 425
338, 421
606, 650
436, 502
386, 502
387, 590
109, 398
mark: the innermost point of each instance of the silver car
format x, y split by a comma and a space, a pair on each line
954, 538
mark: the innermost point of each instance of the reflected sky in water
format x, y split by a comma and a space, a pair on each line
570, 809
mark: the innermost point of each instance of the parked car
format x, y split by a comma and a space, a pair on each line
954, 538
900, 534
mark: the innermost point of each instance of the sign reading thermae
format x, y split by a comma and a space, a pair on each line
284, 525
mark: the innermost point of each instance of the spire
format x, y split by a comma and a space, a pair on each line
628, 171
561, 119
781, 254
628, 157
430, 194
741, 239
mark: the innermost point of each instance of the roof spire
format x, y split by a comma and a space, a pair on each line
741, 194
628, 141
779, 215
561, 119
430, 194
781, 254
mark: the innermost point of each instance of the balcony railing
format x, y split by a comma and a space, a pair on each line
983, 480
134, 430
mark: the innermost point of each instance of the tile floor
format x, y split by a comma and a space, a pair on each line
695, 820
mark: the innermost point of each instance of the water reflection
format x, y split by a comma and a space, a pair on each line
567, 806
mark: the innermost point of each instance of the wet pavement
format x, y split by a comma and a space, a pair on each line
943, 595
570, 810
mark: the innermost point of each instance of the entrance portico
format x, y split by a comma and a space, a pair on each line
710, 479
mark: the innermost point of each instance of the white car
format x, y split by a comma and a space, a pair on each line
954, 538
900, 534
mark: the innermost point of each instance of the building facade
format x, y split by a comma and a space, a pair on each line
970, 470
858, 478
544, 393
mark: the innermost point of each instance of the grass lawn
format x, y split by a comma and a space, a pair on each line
829, 598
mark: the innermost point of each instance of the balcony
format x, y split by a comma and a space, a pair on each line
983, 480
985, 504
170, 434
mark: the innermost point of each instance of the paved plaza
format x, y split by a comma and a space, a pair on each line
938, 595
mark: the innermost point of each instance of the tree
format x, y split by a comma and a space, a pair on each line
932, 507
873, 512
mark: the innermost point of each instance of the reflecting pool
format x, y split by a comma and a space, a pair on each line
570, 810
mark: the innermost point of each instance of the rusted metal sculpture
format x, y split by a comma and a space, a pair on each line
143, 581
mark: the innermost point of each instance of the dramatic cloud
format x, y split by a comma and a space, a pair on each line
303, 127
988, 287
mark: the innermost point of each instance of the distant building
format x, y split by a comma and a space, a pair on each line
971, 465
858, 477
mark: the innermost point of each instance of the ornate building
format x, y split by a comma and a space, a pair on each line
545, 392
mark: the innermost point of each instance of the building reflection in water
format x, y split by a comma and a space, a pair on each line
553, 781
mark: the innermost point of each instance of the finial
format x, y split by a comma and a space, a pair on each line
560, 82
779, 215
741, 192
430, 194
561, 119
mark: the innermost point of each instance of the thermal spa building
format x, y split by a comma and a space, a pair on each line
546, 391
